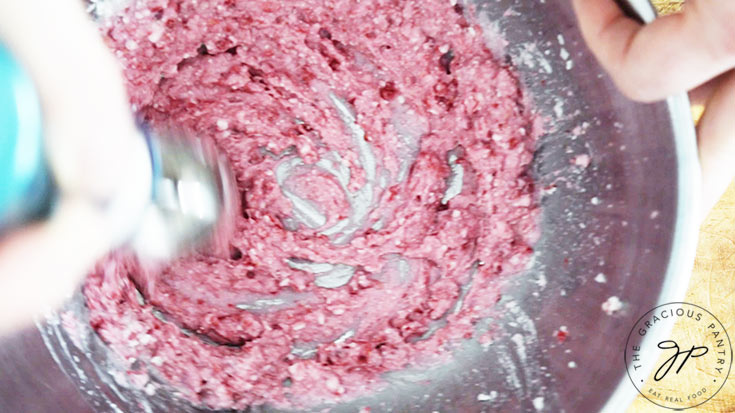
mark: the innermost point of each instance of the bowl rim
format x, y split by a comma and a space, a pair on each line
686, 224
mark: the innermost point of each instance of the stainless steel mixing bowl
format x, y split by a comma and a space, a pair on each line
628, 215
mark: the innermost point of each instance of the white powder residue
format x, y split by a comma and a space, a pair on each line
105, 9
542, 281
564, 54
612, 305
531, 57
559, 108
486, 397
521, 346
582, 161
600, 278
491, 34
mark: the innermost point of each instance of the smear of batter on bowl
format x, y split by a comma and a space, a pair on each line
381, 151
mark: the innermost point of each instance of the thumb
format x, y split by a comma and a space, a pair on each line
40, 265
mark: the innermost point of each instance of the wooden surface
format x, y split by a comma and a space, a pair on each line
713, 277
712, 286
667, 6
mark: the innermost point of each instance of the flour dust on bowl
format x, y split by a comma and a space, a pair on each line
614, 179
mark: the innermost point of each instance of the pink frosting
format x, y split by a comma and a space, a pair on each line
381, 151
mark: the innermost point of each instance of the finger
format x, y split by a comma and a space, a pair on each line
702, 94
717, 142
673, 54
88, 124
92, 142
41, 265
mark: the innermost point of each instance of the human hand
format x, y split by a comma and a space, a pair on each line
693, 51
100, 164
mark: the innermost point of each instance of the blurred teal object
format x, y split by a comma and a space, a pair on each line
26, 187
